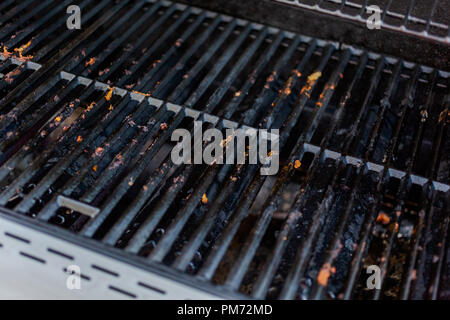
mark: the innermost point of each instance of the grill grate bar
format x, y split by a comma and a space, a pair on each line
100, 185
439, 269
54, 173
142, 111
290, 121
105, 35
49, 67
5, 4
217, 96
162, 87
289, 291
277, 70
8, 31
428, 209
42, 55
399, 207
12, 42
171, 52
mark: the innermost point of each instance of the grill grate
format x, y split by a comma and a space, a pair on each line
371, 134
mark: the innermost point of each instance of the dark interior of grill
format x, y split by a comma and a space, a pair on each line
86, 117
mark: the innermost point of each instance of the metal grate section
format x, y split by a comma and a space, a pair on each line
86, 119
421, 18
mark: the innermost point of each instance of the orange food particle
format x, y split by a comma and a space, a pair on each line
6, 53
325, 274
22, 48
99, 151
142, 94
383, 218
95, 168
9, 77
109, 93
79, 139
90, 62
111, 108
204, 199
58, 119
297, 164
